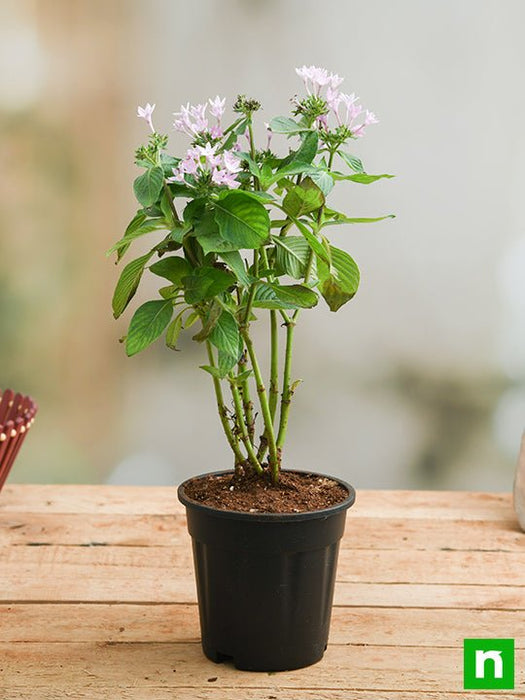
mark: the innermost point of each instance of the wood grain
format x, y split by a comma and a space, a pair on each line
97, 599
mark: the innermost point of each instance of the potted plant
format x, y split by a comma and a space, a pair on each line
244, 239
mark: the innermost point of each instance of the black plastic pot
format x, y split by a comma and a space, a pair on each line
265, 582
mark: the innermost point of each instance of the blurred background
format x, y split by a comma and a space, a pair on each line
419, 382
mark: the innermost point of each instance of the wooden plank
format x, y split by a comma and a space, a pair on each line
89, 566
71, 498
410, 595
425, 534
169, 530
93, 529
110, 665
274, 692
162, 500
180, 623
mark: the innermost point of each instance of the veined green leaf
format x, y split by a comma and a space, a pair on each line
147, 324
306, 152
286, 125
147, 226
323, 180
147, 186
235, 262
313, 242
292, 253
292, 296
225, 335
342, 219
294, 168
339, 280
361, 178
173, 332
209, 322
354, 163
128, 283
205, 283
303, 199
242, 221
172, 268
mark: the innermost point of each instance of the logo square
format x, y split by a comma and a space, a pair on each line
488, 664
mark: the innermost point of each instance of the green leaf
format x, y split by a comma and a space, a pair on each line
361, 178
292, 254
354, 163
205, 283
235, 262
342, 219
128, 283
226, 363
303, 199
225, 335
295, 168
171, 291
209, 322
240, 378
173, 332
339, 280
243, 222
285, 125
179, 231
168, 163
147, 324
313, 242
172, 268
191, 319
323, 180
214, 371
308, 148
291, 296
147, 226
147, 186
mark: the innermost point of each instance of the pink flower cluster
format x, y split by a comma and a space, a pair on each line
354, 117
202, 160
192, 119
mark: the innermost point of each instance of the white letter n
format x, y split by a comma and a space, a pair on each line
482, 656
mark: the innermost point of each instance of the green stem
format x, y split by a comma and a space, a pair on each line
251, 293
274, 461
274, 364
246, 399
252, 457
256, 184
171, 202
223, 413
287, 394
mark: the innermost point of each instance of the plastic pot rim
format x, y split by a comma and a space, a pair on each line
268, 517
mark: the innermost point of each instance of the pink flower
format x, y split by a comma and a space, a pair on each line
335, 81
222, 177
145, 113
216, 132
208, 152
319, 78
231, 162
217, 107
178, 176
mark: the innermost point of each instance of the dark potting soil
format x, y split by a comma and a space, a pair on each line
295, 492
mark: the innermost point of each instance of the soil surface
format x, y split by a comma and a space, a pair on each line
295, 492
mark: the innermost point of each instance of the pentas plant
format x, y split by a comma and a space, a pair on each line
243, 234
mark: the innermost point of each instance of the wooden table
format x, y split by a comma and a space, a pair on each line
98, 599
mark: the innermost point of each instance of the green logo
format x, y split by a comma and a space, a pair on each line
488, 664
